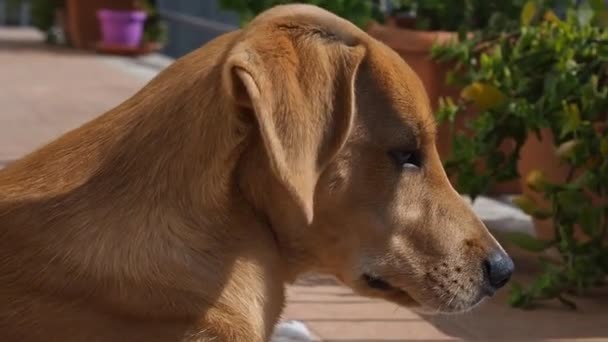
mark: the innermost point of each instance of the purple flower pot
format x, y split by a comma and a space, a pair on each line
122, 28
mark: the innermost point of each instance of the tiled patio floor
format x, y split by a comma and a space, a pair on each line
44, 92
334, 313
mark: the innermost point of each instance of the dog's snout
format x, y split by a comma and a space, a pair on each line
498, 268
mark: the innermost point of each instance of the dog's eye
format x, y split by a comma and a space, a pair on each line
406, 159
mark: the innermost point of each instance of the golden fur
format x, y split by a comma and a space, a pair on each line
181, 214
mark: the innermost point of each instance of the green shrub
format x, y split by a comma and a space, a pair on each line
431, 14
359, 12
456, 15
547, 73
155, 29
43, 14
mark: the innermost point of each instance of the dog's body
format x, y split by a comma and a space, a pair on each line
98, 242
180, 214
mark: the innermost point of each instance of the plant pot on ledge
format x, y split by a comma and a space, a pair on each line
122, 32
414, 46
540, 154
121, 28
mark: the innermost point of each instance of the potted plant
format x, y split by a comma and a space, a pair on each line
132, 32
542, 86
121, 28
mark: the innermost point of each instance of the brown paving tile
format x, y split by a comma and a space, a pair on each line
378, 331
336, 314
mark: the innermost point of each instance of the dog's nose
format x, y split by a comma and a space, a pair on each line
498, 268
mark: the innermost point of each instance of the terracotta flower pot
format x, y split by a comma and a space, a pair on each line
414, 47
541, 155
402, 20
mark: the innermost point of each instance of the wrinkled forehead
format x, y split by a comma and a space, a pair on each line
392, 102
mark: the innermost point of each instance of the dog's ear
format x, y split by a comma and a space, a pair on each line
304, 105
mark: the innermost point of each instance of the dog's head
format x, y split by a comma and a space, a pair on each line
343, 164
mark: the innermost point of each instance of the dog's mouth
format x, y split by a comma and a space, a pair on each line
379, 287
377, 283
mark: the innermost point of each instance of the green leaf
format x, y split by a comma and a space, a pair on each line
447, 110
590, 219
604, 259
597, 5
525, 203
528, 12
604, 146
571, 200
518, 298
587, 179
584, 14
528, 242
572, 119
601, 18
543, 285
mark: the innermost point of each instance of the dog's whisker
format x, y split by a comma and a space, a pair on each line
451, 300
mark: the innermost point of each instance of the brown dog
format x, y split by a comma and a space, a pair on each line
297, 144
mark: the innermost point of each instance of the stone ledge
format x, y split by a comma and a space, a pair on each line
501, 216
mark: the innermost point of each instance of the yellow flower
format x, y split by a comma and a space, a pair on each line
536, 180
550, 16
528, 12
483, 95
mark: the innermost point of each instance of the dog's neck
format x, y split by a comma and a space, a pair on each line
140, 198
